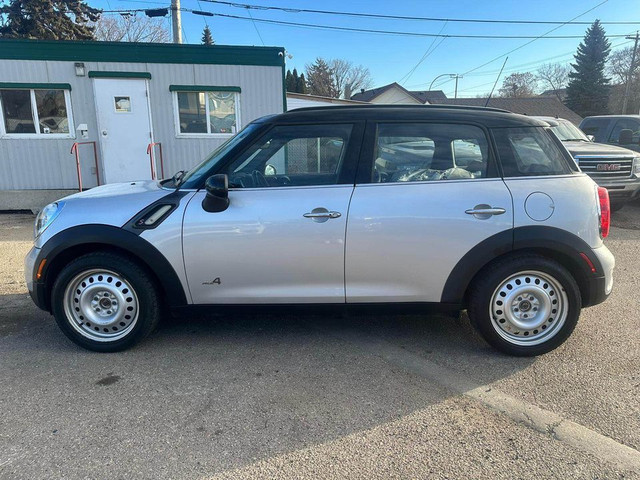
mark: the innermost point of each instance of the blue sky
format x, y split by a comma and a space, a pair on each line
391, 58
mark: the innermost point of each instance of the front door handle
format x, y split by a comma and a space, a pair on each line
484, 211
321, 214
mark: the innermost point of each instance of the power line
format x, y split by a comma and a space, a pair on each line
402, 33
513, 69
403, 17
427, 52
544, 35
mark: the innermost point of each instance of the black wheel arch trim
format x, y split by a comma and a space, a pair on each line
559, 244
109, 237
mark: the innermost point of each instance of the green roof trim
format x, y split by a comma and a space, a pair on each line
35, 86
128, 52
202, 88
98, 74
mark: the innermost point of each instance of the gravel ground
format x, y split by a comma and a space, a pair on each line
260, 396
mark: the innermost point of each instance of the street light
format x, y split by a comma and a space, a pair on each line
451, 75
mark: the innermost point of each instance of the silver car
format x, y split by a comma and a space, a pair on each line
355, 207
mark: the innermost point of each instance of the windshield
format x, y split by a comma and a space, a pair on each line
192, 178
567, 131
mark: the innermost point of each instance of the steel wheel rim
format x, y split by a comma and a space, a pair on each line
101, 305
528, 308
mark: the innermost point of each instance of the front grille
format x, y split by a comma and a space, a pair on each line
605, 166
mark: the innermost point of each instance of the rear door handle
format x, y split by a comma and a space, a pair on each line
484, 211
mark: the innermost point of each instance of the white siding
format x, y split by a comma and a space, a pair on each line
395, 95
47, 163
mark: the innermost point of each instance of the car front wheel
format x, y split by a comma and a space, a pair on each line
105, 302
525, 305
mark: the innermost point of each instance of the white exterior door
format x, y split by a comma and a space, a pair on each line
124, 128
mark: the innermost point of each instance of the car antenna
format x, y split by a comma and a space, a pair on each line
496, 82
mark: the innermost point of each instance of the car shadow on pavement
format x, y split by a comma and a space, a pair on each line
219, 392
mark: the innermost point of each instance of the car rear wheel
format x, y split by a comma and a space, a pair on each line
525, 305
105, 302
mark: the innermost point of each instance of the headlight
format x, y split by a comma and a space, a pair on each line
46, 216
636, 165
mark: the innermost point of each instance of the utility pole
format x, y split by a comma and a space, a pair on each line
176, 21
451, 75
456, 91
627, 88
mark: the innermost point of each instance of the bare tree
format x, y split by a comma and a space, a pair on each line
349, 78
619, 64
132, 28
519, 85
618, 68
554, 76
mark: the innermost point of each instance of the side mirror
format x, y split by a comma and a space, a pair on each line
270, 170
626, 136
591, 138
217, 198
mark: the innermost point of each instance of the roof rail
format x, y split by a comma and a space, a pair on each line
404, 106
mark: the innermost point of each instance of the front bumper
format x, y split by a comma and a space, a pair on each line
600, 287
621, 189
36, 289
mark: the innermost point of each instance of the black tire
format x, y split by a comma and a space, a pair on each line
615, 206
492, 277
139, 280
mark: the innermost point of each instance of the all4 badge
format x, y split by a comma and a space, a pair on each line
215, 281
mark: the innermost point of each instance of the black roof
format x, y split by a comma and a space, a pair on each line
489, 117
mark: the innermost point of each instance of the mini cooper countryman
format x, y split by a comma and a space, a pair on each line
415, 207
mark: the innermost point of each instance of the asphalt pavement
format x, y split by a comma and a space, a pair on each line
317, 396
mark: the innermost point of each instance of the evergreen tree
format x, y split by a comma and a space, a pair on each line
320, 79
290, 82
295, 80
301, 84
48, 19
207, 38
588, 89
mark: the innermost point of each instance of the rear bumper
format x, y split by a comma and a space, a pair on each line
600, 287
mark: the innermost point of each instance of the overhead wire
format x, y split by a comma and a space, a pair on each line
407, 17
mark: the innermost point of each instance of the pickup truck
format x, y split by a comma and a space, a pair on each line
610, 166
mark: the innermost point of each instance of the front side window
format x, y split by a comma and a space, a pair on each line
529, 151
207, 113
36, 112
292, 155
419, 152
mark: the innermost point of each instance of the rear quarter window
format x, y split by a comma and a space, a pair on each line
530, 151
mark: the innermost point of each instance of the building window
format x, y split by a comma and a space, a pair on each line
42, 113
207, 113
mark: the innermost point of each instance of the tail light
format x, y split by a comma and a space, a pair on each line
605, 211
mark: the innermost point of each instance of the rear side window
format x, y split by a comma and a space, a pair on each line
529, 151
424, 152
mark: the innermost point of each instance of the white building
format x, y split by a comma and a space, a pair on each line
185, 99
302, 100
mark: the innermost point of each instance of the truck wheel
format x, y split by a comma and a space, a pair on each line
525, 306
105, 302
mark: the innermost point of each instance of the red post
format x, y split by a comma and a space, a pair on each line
74, 150
150, 153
